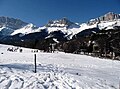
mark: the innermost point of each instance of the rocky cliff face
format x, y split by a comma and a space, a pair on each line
64, 22
107, 17
110, 16
11, 23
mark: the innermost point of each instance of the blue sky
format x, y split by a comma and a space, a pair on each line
40, 11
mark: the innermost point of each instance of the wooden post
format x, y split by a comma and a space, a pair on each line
35, 63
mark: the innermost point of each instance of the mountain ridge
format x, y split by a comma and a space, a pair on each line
11, 22
63, 24
66, 29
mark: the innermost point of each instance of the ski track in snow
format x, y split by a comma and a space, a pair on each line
56, 71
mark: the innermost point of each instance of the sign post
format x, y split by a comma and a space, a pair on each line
35, 63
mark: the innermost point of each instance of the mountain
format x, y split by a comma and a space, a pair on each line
15, 31
107, 17
29, 28
11, 26
8, 25
107, 21
63, 26
64, 22
11, 23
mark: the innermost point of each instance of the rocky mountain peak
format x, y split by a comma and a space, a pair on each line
64, 22
110, 16
11, 22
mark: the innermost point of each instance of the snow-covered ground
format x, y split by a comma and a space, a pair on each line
56, 71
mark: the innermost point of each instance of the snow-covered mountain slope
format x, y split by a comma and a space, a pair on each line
6, 31
11, 22
109, 24
107, 21
64, 25
10, 26
56, 71
30, 28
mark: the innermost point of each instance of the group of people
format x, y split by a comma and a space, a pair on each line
16, 49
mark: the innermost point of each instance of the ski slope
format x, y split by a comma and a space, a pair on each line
56, 71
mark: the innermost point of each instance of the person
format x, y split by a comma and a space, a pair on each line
21, 50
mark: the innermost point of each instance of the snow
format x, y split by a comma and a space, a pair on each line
30, 28
6, 30
118, 23
52, 29
109, 27
70, 31
56, 40
102, 25
56, 71
2, 28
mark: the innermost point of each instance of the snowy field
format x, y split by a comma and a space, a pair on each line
56, 71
